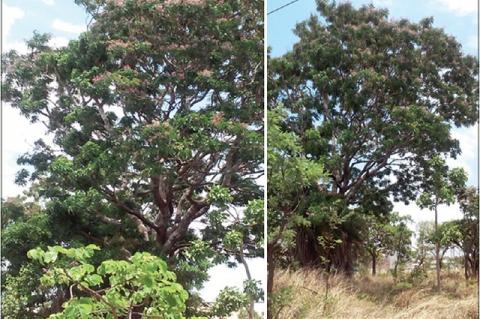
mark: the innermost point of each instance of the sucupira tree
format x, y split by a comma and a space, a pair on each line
373, 99
156, 118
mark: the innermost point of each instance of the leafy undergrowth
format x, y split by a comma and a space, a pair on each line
301, 294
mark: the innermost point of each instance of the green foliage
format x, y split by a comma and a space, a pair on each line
461, 233
115, 288
243, 236
401, 238
233, 239
251, 288
21, 295
280, 299
228, 301
23, 235
289, 173
441, 185
425, 244
219, 195
194, 262
418, 275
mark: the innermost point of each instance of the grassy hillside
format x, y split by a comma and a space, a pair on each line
301, 294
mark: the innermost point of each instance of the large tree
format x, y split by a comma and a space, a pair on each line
157, 121
373, 98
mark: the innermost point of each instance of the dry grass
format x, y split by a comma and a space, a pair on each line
372, 297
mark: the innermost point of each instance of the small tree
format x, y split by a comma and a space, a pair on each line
243, 237
378, 237
399, 243
440, 186
229, 300
463, 233
425, 244
448, 235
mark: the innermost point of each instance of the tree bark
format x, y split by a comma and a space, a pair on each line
374, 264
270, 278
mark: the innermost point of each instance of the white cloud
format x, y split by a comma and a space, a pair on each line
19, 46
64, 26
58, 42
49, 2
10, 15
468, 144
459, 7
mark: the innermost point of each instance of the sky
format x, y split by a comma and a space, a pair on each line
65, 21
456, 17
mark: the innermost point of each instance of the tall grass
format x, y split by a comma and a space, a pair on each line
301, 294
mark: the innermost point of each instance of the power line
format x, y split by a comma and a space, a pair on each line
280, 8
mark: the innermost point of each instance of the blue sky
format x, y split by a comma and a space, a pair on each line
456, 17
65, 21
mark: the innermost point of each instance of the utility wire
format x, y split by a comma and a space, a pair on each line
280, 8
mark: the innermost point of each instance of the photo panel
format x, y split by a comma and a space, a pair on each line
372, 162
133, 159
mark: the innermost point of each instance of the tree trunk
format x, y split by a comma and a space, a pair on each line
327, 288
348, 268
305, 250
374, 264
270, 278
251, 309
475, 265
437, 247
395, 269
